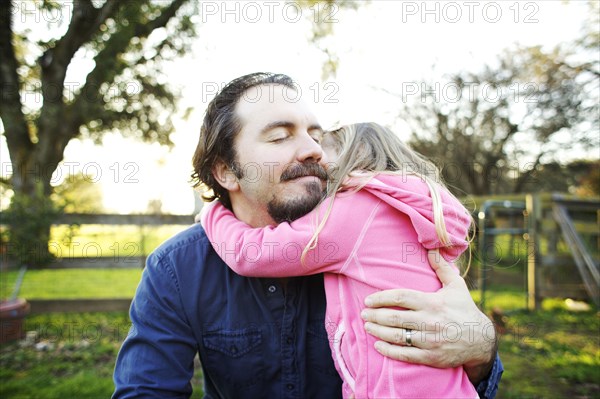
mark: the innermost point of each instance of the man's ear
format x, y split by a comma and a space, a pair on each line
225, 176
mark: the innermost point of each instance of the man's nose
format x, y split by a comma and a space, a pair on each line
310, 150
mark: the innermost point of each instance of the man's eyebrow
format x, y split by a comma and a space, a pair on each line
288, 125
274, 125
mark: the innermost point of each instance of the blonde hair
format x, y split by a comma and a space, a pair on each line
367, 149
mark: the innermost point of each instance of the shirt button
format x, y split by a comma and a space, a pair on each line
233, 349
272, 289
290, 387
289, 340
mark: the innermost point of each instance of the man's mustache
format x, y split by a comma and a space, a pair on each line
300, 170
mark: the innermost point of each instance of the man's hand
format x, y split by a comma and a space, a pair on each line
446, 327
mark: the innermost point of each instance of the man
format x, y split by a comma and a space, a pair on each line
259, 154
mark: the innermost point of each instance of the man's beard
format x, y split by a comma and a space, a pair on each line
290, 210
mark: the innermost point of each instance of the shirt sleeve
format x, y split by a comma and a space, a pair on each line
276, 251
488, 388
156, 358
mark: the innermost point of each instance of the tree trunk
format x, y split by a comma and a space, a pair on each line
32, 211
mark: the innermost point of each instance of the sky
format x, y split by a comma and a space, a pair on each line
383, 47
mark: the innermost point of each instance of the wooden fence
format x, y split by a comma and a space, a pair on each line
111, 262
100, 262
561, 238
579, 224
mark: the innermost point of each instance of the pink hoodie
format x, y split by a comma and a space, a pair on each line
374, 239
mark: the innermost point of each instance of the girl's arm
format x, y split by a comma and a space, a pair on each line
275, 251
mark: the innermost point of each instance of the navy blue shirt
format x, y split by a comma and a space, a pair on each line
255, 337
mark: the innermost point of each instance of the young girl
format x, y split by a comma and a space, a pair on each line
384, 210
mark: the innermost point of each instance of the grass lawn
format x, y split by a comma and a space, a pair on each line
552, 353
73, 283
74, 357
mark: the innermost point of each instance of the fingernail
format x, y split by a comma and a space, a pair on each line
368, 327
363, 314
378, 346
368, 301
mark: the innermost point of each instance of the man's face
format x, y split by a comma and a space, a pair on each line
279, 157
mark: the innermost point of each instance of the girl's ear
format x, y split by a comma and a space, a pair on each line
225, 176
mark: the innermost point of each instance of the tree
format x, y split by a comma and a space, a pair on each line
118, 93
580, 177
491, 131
126, 42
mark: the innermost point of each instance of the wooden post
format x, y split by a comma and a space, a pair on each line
483, 256
533, 212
